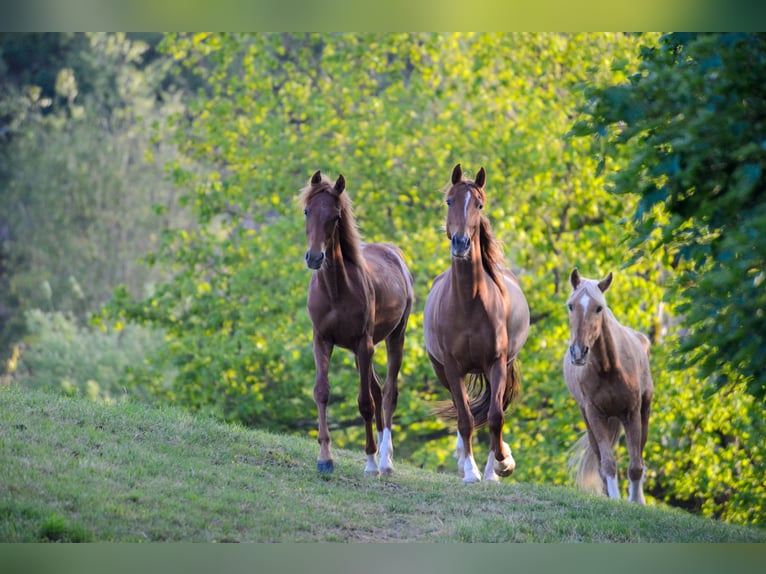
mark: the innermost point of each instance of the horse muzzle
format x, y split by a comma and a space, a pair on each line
461, 246
314, 260
578, 354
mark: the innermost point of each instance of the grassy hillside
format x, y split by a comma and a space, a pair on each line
74, 470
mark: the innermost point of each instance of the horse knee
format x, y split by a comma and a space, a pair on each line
495, 421
366, 407
321, 392
636, 472
608, 466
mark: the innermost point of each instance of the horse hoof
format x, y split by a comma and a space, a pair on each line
387, 471
325, 466
505, 467
371, 473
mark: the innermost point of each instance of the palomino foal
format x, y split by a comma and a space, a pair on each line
606, 369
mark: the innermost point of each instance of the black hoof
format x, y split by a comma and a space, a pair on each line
325, 466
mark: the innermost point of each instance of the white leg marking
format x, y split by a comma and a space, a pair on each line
371, 468
636, 492
611, 487
471, 471
460, 455
489, 471
386, 451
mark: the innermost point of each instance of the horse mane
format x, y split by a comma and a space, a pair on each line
492, 257
348, 232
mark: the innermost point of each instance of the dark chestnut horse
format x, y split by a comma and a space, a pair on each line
475, 322
359, 295
607, 371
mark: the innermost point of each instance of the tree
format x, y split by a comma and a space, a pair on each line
694, 118
77, 190
394, 113
686, 134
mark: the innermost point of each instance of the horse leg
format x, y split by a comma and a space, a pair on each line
366, 403
500, 462
465, 424
636, 432
600, 434
322, 354
395, 354
377, 400
459, 447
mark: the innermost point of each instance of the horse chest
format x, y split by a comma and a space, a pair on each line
477, 347
611, 393
343, 324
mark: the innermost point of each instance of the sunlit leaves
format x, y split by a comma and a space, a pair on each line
394, 113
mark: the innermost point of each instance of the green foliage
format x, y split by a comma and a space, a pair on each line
705, 453
56, 529
394, 113
62, 356
77, 189
693, 118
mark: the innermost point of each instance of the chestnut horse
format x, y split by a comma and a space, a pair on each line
359, 295
607, 371
476, 320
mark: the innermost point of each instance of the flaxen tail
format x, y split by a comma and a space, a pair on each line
480, 393
583, 463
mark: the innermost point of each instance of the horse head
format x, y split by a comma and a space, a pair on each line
586, 314
322, 208
465, 200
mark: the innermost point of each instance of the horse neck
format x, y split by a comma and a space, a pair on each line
605, 347
469, 281
334, 273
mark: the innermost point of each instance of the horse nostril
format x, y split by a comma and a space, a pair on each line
585, 351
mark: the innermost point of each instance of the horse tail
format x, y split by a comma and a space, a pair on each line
584, 464
480, 395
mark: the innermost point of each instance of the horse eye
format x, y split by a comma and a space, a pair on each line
449, 202
305, 211
598, 309
481, 206
570, 306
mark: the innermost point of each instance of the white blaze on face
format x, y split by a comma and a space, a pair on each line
584, 301
467, 202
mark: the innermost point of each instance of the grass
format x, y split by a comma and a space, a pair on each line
74, 470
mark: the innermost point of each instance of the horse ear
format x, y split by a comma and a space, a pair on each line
457, 174
481, 178
316, 178
340, 184
574, 278
605, 283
